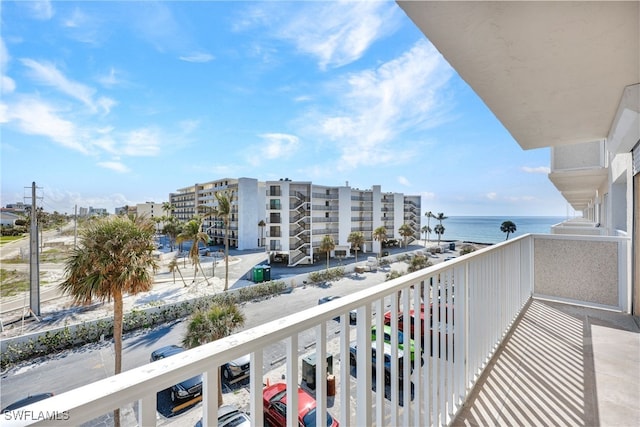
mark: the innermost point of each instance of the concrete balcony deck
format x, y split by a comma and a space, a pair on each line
512, 357
561, 365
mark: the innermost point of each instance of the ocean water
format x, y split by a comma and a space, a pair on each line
486, 229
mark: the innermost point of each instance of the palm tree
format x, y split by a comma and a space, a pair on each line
216, 323
172, 229
173, 267
440, 217
380, 234
429, 215
168, 207
191, 231
223, 211
426, 230
327, 245
405, 231
439, 230
356, 238
261, 224
114, 257
508, 227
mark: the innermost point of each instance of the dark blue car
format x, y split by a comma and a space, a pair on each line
187, 389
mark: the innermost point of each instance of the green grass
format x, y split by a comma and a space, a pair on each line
12, 282
7, 239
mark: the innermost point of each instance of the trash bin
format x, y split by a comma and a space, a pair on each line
309, 369
331, 385
452, 246
258, 274
266, 273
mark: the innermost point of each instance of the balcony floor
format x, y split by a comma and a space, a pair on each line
561, 365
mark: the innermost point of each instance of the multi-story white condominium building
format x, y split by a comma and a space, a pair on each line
297, 215
300, 214
247, 209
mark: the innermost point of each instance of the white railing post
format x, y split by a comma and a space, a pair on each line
147, 410
321, 374
363, 366
210, 397
345, 370
292, 380
255, 389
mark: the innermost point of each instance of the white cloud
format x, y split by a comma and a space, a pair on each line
7, 84
492, 196
404, 181
540, 169
278, 145
141, 142
35, 117
380, 104
49, 75
41, 9
114, 166
110, 79
198, 57
335, 33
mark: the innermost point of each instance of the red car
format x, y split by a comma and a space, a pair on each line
275, 407
444, 326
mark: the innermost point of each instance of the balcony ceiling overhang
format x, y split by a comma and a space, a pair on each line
552, 72
579, 187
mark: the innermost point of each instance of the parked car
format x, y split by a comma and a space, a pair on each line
187, 389
275, 407
353, 360
401, 341
230, 416
444, 326
353, 314
26, 401
236, 369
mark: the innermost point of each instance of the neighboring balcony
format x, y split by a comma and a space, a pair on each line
531, 331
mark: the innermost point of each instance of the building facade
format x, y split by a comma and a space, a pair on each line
297, 215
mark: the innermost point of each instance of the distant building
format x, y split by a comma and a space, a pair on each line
8, 219
298, 214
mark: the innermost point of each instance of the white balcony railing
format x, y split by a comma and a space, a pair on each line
474, 299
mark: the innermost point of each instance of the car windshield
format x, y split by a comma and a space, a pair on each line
309, 420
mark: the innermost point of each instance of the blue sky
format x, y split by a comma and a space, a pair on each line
112, 103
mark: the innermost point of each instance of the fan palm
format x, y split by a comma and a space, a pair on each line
356, 238
219, 321
380, 234
223, 211
439, 230
508, 227
429, 215
426, 230
114, 257
405, 231
327, 245
191, 231
173, 267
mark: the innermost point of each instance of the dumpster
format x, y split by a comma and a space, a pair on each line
258, 274
309, 369
452, 246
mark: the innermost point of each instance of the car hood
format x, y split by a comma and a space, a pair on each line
243, 360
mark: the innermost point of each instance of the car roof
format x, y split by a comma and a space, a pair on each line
374, 344
27, 401
168, 350
306, 402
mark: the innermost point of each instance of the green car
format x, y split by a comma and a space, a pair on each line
387, 339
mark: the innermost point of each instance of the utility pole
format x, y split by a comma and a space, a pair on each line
34, 258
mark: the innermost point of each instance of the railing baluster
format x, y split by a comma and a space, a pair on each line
292, 380
147, 410
256, 385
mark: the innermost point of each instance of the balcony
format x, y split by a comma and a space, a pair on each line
537, 337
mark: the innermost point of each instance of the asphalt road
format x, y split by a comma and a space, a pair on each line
72, 368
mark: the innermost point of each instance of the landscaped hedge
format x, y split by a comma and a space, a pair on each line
43, 343
325, 275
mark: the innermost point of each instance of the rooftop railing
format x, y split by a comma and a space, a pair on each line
459, 310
